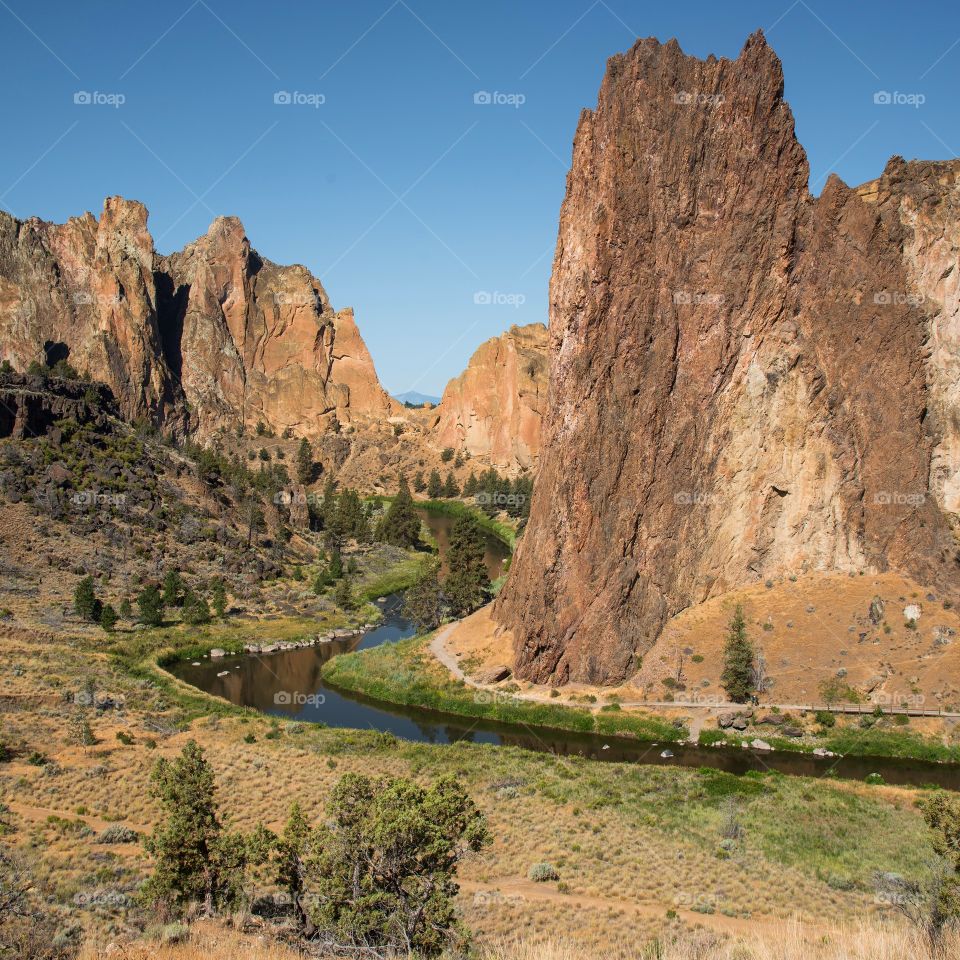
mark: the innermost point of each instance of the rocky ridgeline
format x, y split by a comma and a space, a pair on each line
214, 336
746, 381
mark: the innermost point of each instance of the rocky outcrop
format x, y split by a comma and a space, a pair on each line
86, 288
925, 198
745, 379
213, 337
30, 406
494, 408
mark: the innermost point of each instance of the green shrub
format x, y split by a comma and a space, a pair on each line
117, 833
543, 872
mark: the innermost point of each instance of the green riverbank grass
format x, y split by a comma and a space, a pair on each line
849, 741
400, 577
406, 673
457, 508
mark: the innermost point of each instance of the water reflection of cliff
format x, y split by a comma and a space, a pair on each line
257, 680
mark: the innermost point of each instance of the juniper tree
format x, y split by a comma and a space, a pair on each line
382, 870
196, 860
85, 601
400, 525
467, 580
172, 585
195, 608
738, 659
305, 465
291, 852
218, 596
151, 606
108, 618
424, 603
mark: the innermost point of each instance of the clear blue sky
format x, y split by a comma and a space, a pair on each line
400, 193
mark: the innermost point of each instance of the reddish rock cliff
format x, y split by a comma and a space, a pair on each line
739, 371
494, 408
212, 337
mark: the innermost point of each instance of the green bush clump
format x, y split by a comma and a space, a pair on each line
543, 872
117, 833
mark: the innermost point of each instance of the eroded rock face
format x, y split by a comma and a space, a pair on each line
212, 337
495, 407
925, 197
86, 286
732, 394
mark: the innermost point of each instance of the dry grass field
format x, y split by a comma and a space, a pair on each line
639, 850
787, 941
809, 629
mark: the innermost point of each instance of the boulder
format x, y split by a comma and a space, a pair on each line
493, 674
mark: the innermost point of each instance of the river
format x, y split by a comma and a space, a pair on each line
288, 684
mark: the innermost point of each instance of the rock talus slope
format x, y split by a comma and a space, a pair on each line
745, 381
212, 337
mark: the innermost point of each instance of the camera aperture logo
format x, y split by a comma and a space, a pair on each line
284, 299
293, 498
295, 698
83, 298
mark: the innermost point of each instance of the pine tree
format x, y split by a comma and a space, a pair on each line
108, 618
400, 525
343, 595
451, 488
151, 606
424, 603
85, 601
470, 487
419, 484
218, 596
435, 485
328, 509
172, 585
195, 608
467, 580
305, 466
738, 658
126, 610
292, 849
195, 860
